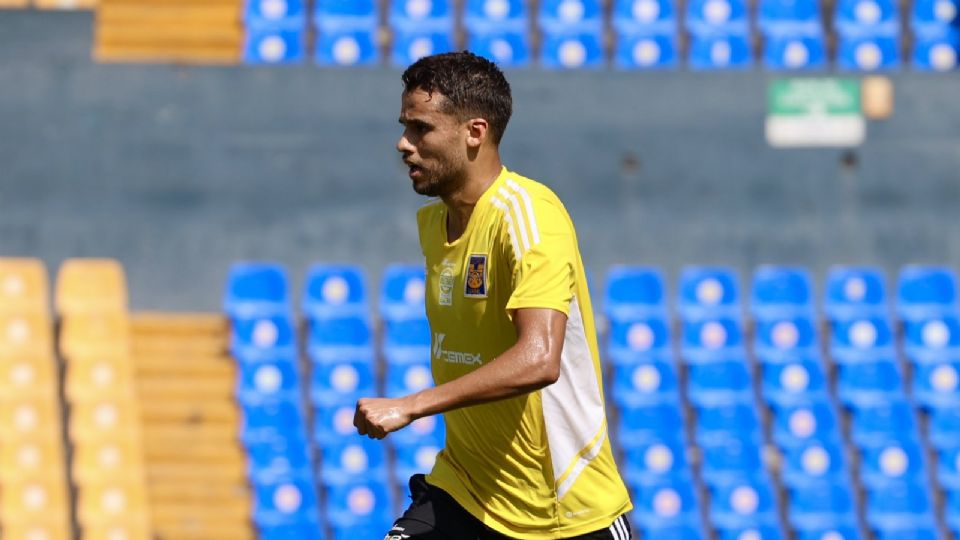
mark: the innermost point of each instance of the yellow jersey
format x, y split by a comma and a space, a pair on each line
537, 466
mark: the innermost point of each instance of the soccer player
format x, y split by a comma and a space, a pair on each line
514, 354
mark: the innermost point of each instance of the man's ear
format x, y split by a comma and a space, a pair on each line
478, 129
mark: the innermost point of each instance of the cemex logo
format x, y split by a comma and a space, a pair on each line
453, 357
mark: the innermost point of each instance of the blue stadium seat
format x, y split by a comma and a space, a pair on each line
268, 421
639, 339
402, 293
426, 430
814, 463
923, 532
926, 292
899, 506
860, 339
670, 502
359, 503
344, 382
274, 46
257, 290
352, 457
944, 427
653, 381
506, 49
646, 51
345, 15
406, 379
291, 14
854, 292
340, 339
720, 382
262, 338
564, 16
783, 338
867, 18
797, 18
736, 421
408, 47
335, 290
634, 292
951, 509
744, 503
285, 501
330, 424
863, 384
764, 532
794, 52
936, 384
494, 16
934, 15
676, 532
708, 292
818, 532
404, 338
932, 339
882, 422
893, 461
795, 425
645, 17
708, 340
794, 382
937, 52
717, 17
822, 505
421, 16
569, 50
270, 380
948, 467
414, 459
868, 53
305, 530
650, 462
728, 461
712, 52
780, 292
644, 424
278, 458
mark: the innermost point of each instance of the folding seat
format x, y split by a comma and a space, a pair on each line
899, 505
944, 427
359, 503
948, 467
413, 459
492, 16
419, 15
277, 458
346, 36
90, 286
344, 382
728, 461
744, 503
793, 34
50, 529
764, 532
708, 340
272, 14
34, 457
23, 285
638, 339
936, 51
86, 377
675, 532
822, 505
669, 502
854, 292
29, 499
345, 14
882, 422
866, 17
285, 501
640, 51
406, 340
862, 384
934, 14
713, 52
330, 424
409, 47
951, 509
646, 34
892, 461
104, 418
869, 34
25, 376
794, 382
572, 50
926, 292
353, 457
653, 460
29, 417
560, 16
779, 292
267, 421
506, 48
932, 339
776, 338
340, 339
853, 340
720, 382
868, 53
794, 52
646, 423
347, 48
795, 425
112, 501
783, 17
849, 532
927, 532
708, 292
634, 292
262, 338
402, 293
103, 335
335, 291
406, 379
652, 381
725, 422
26, 335
270, 380
256, 290
815, 462
718, 17
426, 430
299, 531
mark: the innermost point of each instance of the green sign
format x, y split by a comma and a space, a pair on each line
814, 112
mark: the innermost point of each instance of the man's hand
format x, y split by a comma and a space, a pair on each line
375, 417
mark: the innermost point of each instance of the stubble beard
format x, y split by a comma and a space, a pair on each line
438, 183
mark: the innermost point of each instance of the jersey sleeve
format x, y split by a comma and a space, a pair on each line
545, 254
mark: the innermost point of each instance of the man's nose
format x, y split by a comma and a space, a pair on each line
404, 146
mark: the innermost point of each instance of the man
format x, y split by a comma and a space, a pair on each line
515, 357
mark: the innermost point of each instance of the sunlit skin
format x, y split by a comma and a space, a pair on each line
457, 160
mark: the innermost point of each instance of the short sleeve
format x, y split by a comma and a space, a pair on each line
545, 268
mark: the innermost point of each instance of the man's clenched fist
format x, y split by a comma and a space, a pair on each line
375, 417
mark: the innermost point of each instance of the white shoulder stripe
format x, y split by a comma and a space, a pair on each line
529, 206
511, 229
518, 215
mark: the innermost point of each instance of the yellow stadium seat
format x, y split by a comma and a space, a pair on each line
91, 286
110, 459
95, 335
28, 500
47, 529
108, 503
25, 334
28, 458
65, 4
26, 376
6, 4
23, 285
29, 418
103, 419
92, 377
122, 529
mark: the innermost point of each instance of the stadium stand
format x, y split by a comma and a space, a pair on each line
276, 31
346, 32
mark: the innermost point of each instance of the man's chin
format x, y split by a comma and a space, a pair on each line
427, 189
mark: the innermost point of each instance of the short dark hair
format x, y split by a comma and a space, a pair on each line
471, 84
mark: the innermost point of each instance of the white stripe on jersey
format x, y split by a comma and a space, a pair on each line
529, 206
518, 214
510, 226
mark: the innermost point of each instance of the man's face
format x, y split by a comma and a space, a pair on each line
433, 144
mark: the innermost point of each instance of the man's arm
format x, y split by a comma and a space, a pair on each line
531, 364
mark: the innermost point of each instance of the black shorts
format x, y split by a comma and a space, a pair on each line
435, 515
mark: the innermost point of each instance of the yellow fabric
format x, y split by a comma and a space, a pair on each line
519, 250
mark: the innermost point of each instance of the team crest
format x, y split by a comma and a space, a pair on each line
475, 286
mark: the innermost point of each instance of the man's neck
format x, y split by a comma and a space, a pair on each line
461, 203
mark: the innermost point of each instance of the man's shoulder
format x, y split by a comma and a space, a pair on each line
537, 193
